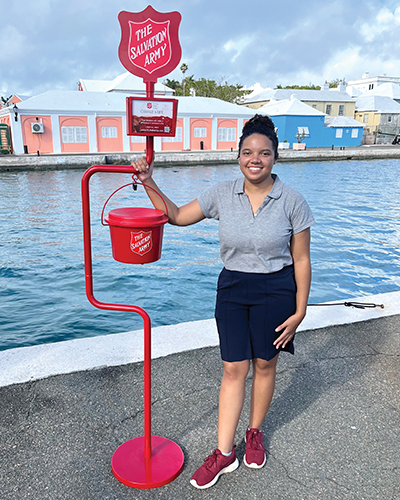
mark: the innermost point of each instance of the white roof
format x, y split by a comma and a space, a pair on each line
391, 90
302, 95
289, 107
211, 106
126, 82
342, 121
379, 104
75, 101
255, 90
94, 85
353, 91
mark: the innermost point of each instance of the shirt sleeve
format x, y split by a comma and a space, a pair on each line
208, 201
301, 216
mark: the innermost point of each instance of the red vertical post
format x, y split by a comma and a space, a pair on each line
149, 139
147, 389
147, 331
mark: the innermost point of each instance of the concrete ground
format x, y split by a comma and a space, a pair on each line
332, 431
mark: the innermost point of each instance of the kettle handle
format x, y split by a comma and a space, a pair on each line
131, 184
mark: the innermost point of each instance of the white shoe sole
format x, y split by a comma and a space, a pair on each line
234, 465
254, 465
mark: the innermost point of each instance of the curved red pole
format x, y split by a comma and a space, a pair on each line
117, 307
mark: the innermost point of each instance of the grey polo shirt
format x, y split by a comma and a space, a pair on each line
256, 243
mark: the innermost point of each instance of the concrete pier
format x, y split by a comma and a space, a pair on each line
332, 431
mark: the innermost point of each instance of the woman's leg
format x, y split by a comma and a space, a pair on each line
262, 390
231, 399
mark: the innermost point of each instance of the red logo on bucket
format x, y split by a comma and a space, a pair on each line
149, 105
141, 242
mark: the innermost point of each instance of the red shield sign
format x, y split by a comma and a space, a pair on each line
141, 242
149, 43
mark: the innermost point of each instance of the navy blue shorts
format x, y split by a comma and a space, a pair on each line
249, 307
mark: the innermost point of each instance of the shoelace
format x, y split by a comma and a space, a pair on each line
254, 440
211, 460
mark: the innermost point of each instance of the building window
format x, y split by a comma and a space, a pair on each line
177, 138
365, 118
389, 118
138, 138
314, 106
199, 131
371, 86
109, 132
339, 133
303, 132
226, 134
341, 109
328, 109
354, 133
73, 134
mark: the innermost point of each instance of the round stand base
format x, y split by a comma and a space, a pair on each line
131, 468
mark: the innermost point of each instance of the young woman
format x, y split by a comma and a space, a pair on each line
262, 292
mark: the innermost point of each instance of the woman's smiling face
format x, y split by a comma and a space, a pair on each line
257, 158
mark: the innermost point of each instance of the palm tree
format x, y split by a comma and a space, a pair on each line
183, 67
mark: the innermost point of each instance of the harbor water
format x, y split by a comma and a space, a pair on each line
355, 247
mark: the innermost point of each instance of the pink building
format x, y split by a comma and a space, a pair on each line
94, 120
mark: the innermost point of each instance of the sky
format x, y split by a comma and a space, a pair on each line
51, 44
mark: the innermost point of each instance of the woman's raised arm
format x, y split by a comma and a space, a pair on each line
179, 216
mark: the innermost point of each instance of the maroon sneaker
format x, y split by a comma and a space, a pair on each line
214, 465
255, 453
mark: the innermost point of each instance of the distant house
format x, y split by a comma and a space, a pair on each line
297, 122
367, 82
391, 90
380, 116
343, 131
337, 103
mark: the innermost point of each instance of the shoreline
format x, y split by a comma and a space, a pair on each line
16, 163
27, 364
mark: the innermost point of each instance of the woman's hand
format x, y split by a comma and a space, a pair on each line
300, 249
289, 328
144, 170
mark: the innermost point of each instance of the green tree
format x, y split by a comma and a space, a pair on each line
332, 84
310, 86
183, 67
336, 82
204, 87
5, 100
173, 84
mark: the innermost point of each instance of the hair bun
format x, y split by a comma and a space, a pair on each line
260, 124
261, 120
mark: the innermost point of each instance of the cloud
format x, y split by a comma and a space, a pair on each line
52, 43
238, 46
384, 22
13, 45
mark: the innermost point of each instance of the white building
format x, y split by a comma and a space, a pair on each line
371, 82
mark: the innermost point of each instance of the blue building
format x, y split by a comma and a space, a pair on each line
297, 122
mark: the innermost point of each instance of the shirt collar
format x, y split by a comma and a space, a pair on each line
275, 193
